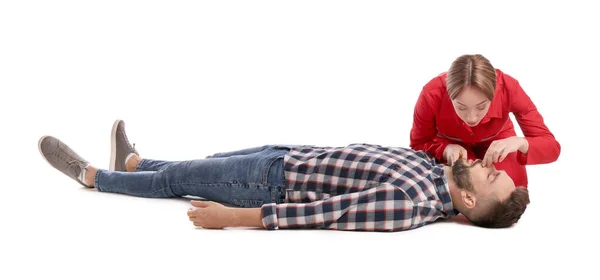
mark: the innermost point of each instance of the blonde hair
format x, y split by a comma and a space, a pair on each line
474, 71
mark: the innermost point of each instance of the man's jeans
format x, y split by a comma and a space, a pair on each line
245, 178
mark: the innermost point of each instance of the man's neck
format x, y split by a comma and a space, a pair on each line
454, 191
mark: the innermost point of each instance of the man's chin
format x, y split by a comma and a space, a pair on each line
461, 175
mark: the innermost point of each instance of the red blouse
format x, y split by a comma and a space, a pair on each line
436, 124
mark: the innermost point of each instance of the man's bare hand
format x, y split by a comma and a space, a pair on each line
211, 215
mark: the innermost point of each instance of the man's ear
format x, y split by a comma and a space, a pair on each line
468, 199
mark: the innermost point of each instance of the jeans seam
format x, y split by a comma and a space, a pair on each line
204, 183
230, 185
143, 194
96, 180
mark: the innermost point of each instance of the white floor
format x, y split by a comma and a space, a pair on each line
194, 79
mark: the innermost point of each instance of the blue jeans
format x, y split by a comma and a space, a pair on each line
245, 178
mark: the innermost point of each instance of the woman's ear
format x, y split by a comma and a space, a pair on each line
468, 199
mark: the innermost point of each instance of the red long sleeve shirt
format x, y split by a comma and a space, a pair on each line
436, 124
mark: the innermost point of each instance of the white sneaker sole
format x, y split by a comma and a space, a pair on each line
113, 146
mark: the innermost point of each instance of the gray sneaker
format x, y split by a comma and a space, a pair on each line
63, 158
120, 147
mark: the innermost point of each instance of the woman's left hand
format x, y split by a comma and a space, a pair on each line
499, 149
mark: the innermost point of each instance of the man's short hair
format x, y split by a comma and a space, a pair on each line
503, 214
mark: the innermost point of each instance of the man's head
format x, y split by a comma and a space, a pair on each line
486, 196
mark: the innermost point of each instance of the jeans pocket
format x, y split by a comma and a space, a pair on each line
273, 173
250, 195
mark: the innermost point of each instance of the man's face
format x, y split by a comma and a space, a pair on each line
485, 182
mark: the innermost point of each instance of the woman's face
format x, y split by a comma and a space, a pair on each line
471, 105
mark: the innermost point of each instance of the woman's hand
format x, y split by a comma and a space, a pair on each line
499, 149
453, 152
211, 215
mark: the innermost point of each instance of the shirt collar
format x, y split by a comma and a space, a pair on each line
443, 191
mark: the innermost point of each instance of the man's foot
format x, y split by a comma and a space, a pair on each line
120, 148
64, 159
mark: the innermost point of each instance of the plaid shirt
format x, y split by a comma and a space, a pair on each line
360, 187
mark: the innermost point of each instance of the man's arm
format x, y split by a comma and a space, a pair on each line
247, 217
384, 208
208, 214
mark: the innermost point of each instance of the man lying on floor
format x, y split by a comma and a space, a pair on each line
358, 187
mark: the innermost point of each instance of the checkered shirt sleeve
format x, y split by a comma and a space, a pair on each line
383, 208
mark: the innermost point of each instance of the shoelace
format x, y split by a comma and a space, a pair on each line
72, 165
127, 140
64, 155
135, 151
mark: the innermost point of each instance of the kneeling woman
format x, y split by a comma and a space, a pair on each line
464, 113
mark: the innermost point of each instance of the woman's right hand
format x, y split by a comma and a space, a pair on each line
453, 152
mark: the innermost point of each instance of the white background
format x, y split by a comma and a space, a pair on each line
191, 78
